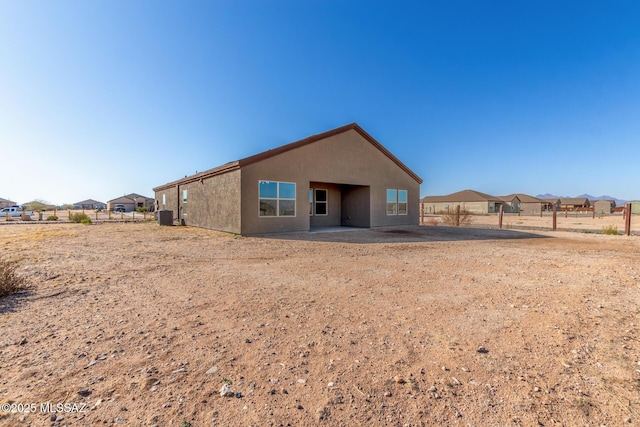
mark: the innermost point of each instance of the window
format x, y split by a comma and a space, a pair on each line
402, 202
397, 202
392, 202
277, 198
164, 201
320, 202
184, 196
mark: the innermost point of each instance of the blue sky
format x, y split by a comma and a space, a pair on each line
103, 98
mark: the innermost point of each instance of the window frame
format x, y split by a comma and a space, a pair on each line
392, 203
405, 203
396, 203
313, 199
278, 199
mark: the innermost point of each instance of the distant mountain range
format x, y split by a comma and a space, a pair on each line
619, 202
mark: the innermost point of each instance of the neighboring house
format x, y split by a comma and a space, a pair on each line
89, 204
4, 203
511, 203
342, 177
523, 203
604, 206
131, 202
574, 203
550, 202
471, 201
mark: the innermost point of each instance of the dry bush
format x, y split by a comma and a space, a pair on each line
457, 217
10, 281
80, 217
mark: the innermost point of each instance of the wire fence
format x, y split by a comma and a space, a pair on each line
577, 220
58, 216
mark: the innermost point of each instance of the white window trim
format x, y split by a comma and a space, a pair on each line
277, 199
315, 201
387, 202
397, 202
406, 212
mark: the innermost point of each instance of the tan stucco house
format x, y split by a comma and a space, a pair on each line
603, 207
471, 201
131, 202
342, 177
89, 204
523, 203
4, 203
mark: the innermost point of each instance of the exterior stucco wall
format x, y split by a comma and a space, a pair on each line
530, 208
171, 199
6, 203
212, 203
346, 159
355, 206
603, 206
334, 206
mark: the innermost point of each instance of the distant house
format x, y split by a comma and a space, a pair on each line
523, 203
603, 207
471, 201
574, 203
550, 202
511, 203
6, 203
89, 204
342, 177
131, 202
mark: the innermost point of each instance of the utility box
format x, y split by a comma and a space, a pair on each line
165, 217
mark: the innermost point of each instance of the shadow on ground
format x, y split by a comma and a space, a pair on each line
406, 234
13, 302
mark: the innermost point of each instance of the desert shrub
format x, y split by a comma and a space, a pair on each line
142, 209
610, 229
457, 217
52, 218
10, 281
80, 217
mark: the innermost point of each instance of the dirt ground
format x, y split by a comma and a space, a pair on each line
137, 324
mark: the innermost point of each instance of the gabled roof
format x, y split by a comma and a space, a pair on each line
135, 196
7, 201
462, 196
509, 199
89, 202
524, 198
574, 201
129, 198
231, 166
